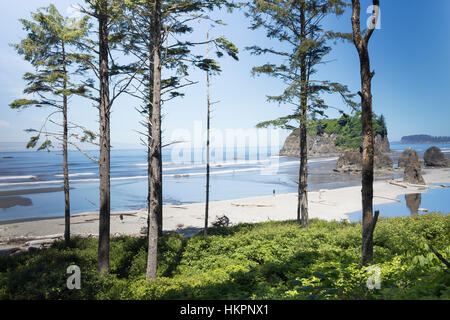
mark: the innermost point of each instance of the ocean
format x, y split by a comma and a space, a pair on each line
31, 181
420, 148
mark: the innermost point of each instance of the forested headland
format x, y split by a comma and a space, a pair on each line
423, 139
349, 129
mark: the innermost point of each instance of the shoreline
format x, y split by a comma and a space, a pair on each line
188, 219
6, 195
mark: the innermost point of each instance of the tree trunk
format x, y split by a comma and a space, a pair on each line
302, 206
155, 210
149, 156
303, 174
65, 156
208, 105
149, 126
367, 160
361, 44
104, 110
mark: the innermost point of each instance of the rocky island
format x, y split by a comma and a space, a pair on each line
423, 139
341, 138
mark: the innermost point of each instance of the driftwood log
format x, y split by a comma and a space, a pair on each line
222, 221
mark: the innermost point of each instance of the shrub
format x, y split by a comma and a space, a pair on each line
272, 260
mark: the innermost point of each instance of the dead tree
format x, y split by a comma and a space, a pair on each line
361, 43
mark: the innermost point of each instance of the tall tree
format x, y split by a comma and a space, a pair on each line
208, 117
361, 43
105, 141
51, 46
108, 14
155, 164
297, 25
177, 56
156, 28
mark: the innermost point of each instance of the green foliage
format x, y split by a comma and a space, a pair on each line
272, 260
22, 103
52, 47
228, 47
178, 55
33, 141
302, 44
349, 129
46, 145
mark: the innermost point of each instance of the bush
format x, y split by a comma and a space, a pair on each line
272, 260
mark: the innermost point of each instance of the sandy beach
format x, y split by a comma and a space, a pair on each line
326, 204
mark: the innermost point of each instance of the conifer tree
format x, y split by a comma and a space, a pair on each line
296, 24
153, 27
113, 80
51, 46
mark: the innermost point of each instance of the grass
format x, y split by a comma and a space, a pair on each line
272, 260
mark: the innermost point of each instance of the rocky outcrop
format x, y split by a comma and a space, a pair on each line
434, 157
317, 145
383, 162
382, 144
324, 145
351, 161
405, 157
410, 160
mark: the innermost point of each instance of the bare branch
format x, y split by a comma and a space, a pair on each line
439, 256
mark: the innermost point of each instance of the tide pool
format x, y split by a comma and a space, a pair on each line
433, 200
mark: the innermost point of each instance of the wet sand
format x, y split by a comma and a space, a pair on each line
12, 198
12, 201
29, 191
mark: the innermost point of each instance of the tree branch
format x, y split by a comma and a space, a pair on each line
373, 24
439, 256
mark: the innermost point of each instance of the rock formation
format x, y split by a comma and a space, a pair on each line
405, 157
324, 145
351, 161
382, 144
317, 145
382, 161
410, 160
434, 157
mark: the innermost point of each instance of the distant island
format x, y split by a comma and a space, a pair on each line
424, 139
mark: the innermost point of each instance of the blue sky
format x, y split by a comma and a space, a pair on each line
410, 55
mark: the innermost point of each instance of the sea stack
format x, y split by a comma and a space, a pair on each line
410, 160
405, 157
434, 157
351, 161
318, 146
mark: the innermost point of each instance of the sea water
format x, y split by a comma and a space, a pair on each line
433, 200
31, 182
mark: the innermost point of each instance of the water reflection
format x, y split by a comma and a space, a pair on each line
413, 201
